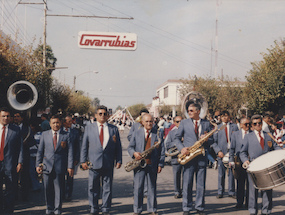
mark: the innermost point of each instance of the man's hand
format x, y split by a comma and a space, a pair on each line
185, 151
220, 154
202, 136
84, 166
159, 169
232, 164
39, 170
118, 165
245, 164
19, 167
70, 172
137, 155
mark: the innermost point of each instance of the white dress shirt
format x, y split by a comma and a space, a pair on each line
106, 133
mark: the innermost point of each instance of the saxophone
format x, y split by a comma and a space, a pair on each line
197, 148
133, 164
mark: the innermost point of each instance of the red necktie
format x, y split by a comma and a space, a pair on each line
196, 129
66, 129
226, 130
2, 144
261, 141
54, 140
147, 136
101, 135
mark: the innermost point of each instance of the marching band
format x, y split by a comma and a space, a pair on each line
239, 150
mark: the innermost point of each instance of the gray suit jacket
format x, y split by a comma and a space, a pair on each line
92, 150
134, 127
170, 142
13, 149
220, 140
236, 144
251, 148
137, 144
58, 159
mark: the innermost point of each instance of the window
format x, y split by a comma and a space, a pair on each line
165, 92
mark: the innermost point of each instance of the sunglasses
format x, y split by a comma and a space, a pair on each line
246, 124
190, 110
259, 123
177, 121
100, 114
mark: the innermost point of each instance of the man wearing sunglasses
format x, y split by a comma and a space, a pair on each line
222, 142
101, 146
192, 130
256, 144
236, 144
177, 168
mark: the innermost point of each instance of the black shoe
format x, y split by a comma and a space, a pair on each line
105, 213
137, 213
219, 196
186, 212
95, 213
238, 206
201, 212
153, 213
177, 196
233, 196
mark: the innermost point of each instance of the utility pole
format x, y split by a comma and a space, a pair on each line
216, 39
44, 42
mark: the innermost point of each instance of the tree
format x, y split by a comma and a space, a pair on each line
265, 89
119, 108
79, 103
135, 109
60, 97
50, 58
165, 109
221, 94
19, 63
96, 102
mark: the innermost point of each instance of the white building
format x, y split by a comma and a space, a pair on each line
166, 94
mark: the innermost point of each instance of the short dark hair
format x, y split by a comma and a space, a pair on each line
5, 109
56, 116
224, 112
45, 115
102, 107
144, 110
20, 113
63, 118
196, 105
256, 116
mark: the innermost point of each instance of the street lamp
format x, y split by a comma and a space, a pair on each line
76, 76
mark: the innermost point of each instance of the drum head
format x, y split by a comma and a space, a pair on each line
267, 160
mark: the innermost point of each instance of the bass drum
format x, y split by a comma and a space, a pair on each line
268, 170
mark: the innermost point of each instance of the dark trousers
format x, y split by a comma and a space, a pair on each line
68, 186
242, 188
8, 198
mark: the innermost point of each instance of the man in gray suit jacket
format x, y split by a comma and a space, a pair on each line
236, 145
256, 144
192, 130
11, 159
101, 146
177, 167
141, 140
222, 142
55, 153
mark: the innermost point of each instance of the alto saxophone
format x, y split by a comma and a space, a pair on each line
197, 148
133, 164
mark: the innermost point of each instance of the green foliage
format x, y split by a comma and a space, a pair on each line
221, 94
96, 102
79, 103
19, 63
59, 95
50, 58
165, 110
265, 87
135, 109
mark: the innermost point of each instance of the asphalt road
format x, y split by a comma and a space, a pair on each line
122, 202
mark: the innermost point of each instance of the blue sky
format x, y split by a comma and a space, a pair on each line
174, 41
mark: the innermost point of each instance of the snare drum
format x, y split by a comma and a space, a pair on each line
268, 170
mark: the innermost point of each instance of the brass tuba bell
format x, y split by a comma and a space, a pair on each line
22, 95
194, 97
